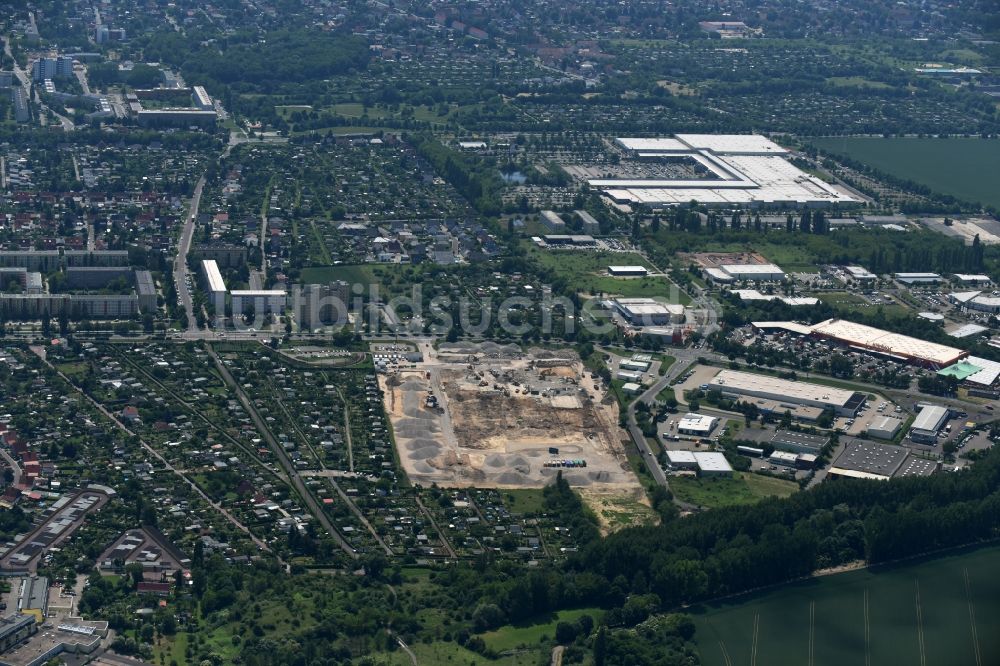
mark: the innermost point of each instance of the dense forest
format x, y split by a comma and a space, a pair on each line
247, 63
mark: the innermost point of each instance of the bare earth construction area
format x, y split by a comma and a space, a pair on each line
493, 416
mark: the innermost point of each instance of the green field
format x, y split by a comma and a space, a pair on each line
349, 274
964, 168
741, 488
941, 612
587, 272
848, 301
511, 637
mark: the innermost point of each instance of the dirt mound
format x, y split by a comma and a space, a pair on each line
425, 453
510, 478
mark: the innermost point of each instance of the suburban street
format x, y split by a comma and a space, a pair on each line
180, 261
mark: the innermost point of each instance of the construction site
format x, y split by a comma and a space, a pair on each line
493, 416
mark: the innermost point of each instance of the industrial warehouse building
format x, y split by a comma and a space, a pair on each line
928, 423
918, 278
726, 273
880, 462
798, 442
860, 274
755, 295
974, 371
884, 427
736, 384
564, 240
976, 300
627, 271
793, 460
708, 463
738, 169
648, 311
860, 337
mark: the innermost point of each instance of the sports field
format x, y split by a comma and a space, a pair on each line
940, 612
963, 168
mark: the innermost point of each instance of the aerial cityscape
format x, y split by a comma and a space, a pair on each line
499, 333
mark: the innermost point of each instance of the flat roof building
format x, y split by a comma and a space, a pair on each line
15, 629
867, 460
735, 383
649, 312
201, 99
682, 459
590, 223
860, 274
711, 463
918, 278
627, 271
975, 279
635, 365
974, 370
699, 425
784, 458
575, 240
214, 284
631, 388
176, 117
756, 272
798, 442
743, 169
884, 427
967, 330
145, 287
629, 376
928, 423
755, 295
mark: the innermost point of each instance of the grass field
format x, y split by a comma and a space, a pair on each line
848, 301
349, 274
527, 500
510, 637
963, 168
587, 272
741, 488
940, 612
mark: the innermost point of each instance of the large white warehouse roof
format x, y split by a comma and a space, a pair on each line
780, 388
895, 344
747, 169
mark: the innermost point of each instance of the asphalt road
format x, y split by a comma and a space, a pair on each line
180, 261
684, 358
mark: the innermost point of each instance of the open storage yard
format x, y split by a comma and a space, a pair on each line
494, 416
